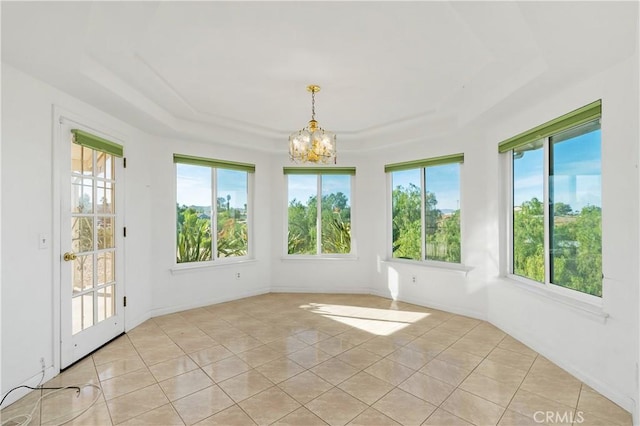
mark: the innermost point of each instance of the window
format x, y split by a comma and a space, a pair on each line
425, 209
212, 192
556, 208
330, 218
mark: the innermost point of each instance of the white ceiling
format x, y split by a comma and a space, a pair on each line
235, 72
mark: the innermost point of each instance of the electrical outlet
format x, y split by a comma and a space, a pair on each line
42, 364
414, 279
237, 275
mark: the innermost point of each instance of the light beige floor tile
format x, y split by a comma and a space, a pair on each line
460, 359
120, 348
245, 385
312, 336
173, 367
441, 417
334, 371
473, 346
371, 417
269, 406
359, 358
440, 336
355, 336
116, 368
427, 346
232, 416
336, 407
305, 386
497, 392
202, 404
366, 387
404, 408
195, 343
185, 384
390, 371
22, 407
301, 417
165, 415
594, 404
382, 346
241, 344
511, 359
83, 371
70, 408
513, 418
309, 357
135, 403
334, 345
501, 373
444, 371
472, 408
427, 388
544, 367
126, 383
280, 370
514, 345
550, 388
287, 345
226, 368
527, 404
210, 355
154, 355
409, 358
258, 356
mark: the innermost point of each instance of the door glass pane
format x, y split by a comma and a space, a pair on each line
336, 214
406, 214
87, 310
81, 234
106, 302
81, 160
82, 272
302, 214
193, 213
528, 211
105, 267
232, 191
81, 195
575, 193
104, 165
442, 212
105, 232
104, 197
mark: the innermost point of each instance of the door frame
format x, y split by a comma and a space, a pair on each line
61, 116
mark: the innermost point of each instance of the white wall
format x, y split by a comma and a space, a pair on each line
178, 290
601, 353
28, 304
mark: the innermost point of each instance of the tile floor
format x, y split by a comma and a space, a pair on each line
315, 359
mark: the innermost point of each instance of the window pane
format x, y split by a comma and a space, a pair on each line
442, 212
575, 193
302, 214
528, 211
193, 225
336, 214
406, 214
232, 193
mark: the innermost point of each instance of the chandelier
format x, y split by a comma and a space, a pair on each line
313, 144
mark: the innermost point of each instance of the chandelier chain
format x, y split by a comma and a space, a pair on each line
313, 105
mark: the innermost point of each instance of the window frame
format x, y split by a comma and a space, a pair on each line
214, 165
579, 117
318, 172
421, 165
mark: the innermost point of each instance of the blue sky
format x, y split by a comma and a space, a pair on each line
194, 185
576, 176
301, 187
443, 181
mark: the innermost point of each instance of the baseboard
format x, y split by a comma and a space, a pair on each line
38, 379
206, 302
429, 304
622, 400
322, 290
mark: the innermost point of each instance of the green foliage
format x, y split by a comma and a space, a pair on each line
442, 231
335, 225
232, 235
193, 236
576, 241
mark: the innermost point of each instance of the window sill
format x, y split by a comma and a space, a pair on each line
193, 266
592, 308
298, 258
432, 264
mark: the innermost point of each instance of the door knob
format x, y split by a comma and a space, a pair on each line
69, 256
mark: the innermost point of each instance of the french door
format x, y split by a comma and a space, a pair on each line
91, 294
